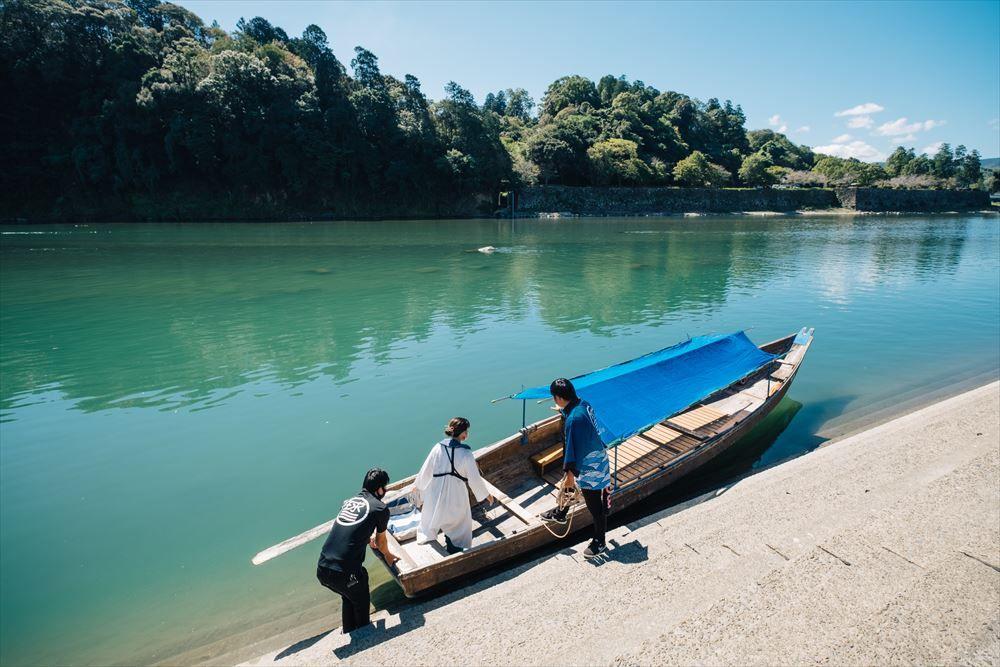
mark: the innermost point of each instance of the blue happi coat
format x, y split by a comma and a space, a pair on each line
583, 450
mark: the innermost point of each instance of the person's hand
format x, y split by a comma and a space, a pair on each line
372, 543
390, 559
490, 499
569, 481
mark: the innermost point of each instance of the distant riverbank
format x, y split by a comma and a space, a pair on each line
556, 201
551, 201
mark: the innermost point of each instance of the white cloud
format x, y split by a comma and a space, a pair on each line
804, 128
861, 110
842, 139
860, 121
856, 149
902, 126
933, 148
777, 123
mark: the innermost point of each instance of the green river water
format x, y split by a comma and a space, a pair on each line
174, 398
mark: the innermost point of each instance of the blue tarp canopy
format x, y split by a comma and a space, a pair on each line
631, 396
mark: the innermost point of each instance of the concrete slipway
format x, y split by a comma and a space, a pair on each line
882, 548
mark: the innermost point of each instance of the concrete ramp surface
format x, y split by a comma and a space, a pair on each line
881, 548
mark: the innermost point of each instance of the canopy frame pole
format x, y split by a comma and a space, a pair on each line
616, 469
524, 422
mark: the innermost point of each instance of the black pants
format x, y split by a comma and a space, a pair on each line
353, 589
598, 506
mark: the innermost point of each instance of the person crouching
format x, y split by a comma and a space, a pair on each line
362, 520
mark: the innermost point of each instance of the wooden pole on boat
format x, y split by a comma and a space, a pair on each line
616, 468
292, 542
524, 420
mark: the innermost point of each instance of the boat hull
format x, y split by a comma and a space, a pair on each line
426, 580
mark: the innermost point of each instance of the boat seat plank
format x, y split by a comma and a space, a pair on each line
534, 495
731, 404
406, 563
547, 458
695, 419
511, 506
629, 451
687, 431
425, 554
659, 456
662, 434
783, 373
667, 446
761, 389
553, 477
650, 463
685, 443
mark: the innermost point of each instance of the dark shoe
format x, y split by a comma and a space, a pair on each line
555, 516
451, 548
595, 549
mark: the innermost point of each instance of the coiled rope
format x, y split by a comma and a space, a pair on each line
568, 496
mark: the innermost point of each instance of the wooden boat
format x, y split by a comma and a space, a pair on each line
523, 470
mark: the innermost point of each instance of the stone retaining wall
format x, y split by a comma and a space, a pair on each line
560, 199
878, 199
651, 201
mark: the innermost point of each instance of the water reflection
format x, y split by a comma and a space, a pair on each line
175, 316
176, 380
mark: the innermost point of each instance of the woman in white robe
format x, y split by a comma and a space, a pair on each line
443, 485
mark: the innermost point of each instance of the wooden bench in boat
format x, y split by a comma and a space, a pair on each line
547, 459
692, 420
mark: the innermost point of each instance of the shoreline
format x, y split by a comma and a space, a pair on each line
257, 640
551, 215
829, 212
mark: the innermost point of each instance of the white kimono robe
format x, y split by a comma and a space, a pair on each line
445, 498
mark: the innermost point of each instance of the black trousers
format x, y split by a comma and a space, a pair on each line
353, 590
598, 506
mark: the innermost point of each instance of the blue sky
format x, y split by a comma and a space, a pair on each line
851, 79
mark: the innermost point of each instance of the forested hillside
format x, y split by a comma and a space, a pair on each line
137, 109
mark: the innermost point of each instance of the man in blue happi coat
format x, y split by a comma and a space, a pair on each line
585, 462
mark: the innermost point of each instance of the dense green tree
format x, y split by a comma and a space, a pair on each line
755, 170
569, 91
510, 103
897, 162
555, 153
519, 104
850, 171
944, 162
920, 165
969, 170
993, 181
616, 162
696, 170
778, 150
